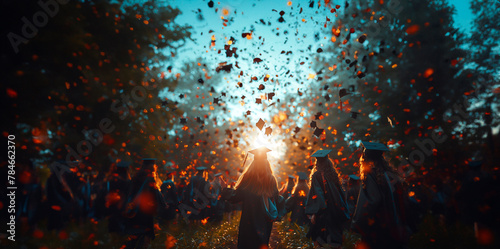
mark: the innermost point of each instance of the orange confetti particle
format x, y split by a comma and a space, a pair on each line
428, 72
11, 93
413, 29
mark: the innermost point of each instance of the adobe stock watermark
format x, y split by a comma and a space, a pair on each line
393, 8
427, 146
49, 8
94, 137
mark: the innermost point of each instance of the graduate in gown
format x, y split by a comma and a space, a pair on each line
169, 192
381, 215
115, 194
257, 189
286, 189
326, 203
296, 203
144, 203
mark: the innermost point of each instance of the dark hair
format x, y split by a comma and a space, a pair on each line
258, 178
376, 165
325, 166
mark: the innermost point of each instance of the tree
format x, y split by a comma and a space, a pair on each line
86, 85
404, 61
484, 60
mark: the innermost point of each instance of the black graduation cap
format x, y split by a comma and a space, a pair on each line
148, 163
321, 153
260, 152
373, 150
183, 121
475, 164
343, 92
260, 124
123, 164
302, 175
313, 124
201, 168
318, 131
354, 115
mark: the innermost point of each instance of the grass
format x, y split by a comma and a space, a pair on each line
89, 234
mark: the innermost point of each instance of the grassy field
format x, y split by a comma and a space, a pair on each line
224, 235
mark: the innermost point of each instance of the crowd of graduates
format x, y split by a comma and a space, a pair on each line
378, 203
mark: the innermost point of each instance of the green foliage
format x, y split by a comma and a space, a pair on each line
95, 61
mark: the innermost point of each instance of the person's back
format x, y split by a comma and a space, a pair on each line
257, 190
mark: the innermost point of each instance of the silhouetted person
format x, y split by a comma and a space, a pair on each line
59, 200
380, 215
29, 197
296, 203
143, 203
475, 198
116, 193
198, 195
326, 203
169, 192
352, 192
216, 204
286, 189
257, 189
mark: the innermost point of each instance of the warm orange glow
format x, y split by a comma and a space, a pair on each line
413, 29
204, 221
302, 193
428, 72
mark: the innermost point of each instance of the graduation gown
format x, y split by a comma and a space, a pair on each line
199, 197
116, 194
297, 205
169, 191
375, 217
145, 203
326, 201
257, 216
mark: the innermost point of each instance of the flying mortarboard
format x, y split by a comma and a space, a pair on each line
302, 175
321, 153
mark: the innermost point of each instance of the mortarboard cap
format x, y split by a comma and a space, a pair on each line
373, 150
354, 177
302, 175
201, 168
475, 164
148, 163
321, 153
123, 164
374, 146
260, 152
